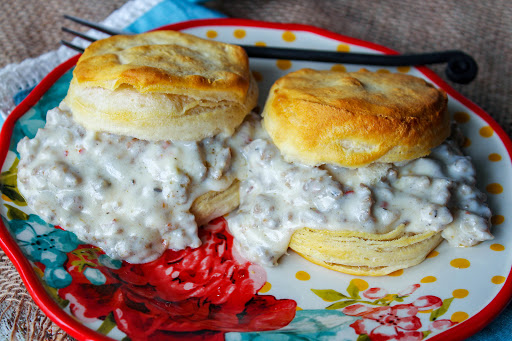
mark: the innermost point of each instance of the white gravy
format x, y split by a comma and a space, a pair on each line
434, 193
128, 196
132, 197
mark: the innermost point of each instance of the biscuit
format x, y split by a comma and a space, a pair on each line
362, 253
216, 204
356, 118
162, 85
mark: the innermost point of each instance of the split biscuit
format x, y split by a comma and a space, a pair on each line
352, 120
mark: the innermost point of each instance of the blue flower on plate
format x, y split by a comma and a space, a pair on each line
110, 263
95, 276
310, 325
42, 242
35, 117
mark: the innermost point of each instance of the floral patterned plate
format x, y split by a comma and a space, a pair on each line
207, 293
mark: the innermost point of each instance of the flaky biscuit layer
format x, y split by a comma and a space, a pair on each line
156, 116
364, 254
216, 204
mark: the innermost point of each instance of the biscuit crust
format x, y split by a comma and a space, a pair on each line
354, 119
166, 62
162, 85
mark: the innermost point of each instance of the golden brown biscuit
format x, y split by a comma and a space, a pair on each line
353, 119
162, 85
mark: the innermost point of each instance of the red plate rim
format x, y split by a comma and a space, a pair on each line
80, 331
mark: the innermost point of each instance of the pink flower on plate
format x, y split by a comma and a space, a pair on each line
409, 290
440, 325
375, 293
399, 322
386, 323
427, 302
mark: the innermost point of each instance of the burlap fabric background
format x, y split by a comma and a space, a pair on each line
483, 29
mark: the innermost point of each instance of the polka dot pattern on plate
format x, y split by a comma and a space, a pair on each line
283, 64
343, 48
494, 157
494, 188
339, 68
498, 279
461, 117
460, 263
403, 69
486, 131
361, 284
497, 247
257, 76
211, 34
433, 254
497, 219
265, 288
426, 311
239, 34
302, 276
428, 279
397, 273
459, 316
460, 293
288, 36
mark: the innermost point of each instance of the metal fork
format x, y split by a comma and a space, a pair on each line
461, 67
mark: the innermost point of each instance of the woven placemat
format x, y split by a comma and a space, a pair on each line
482, 29
30, 28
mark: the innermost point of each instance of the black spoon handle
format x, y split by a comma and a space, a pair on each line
461, 67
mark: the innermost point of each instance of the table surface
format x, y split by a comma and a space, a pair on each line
29, 28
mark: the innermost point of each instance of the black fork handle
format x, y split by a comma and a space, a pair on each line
460, 68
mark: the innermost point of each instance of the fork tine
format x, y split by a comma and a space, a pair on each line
73, 46
95, 26
78, 34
